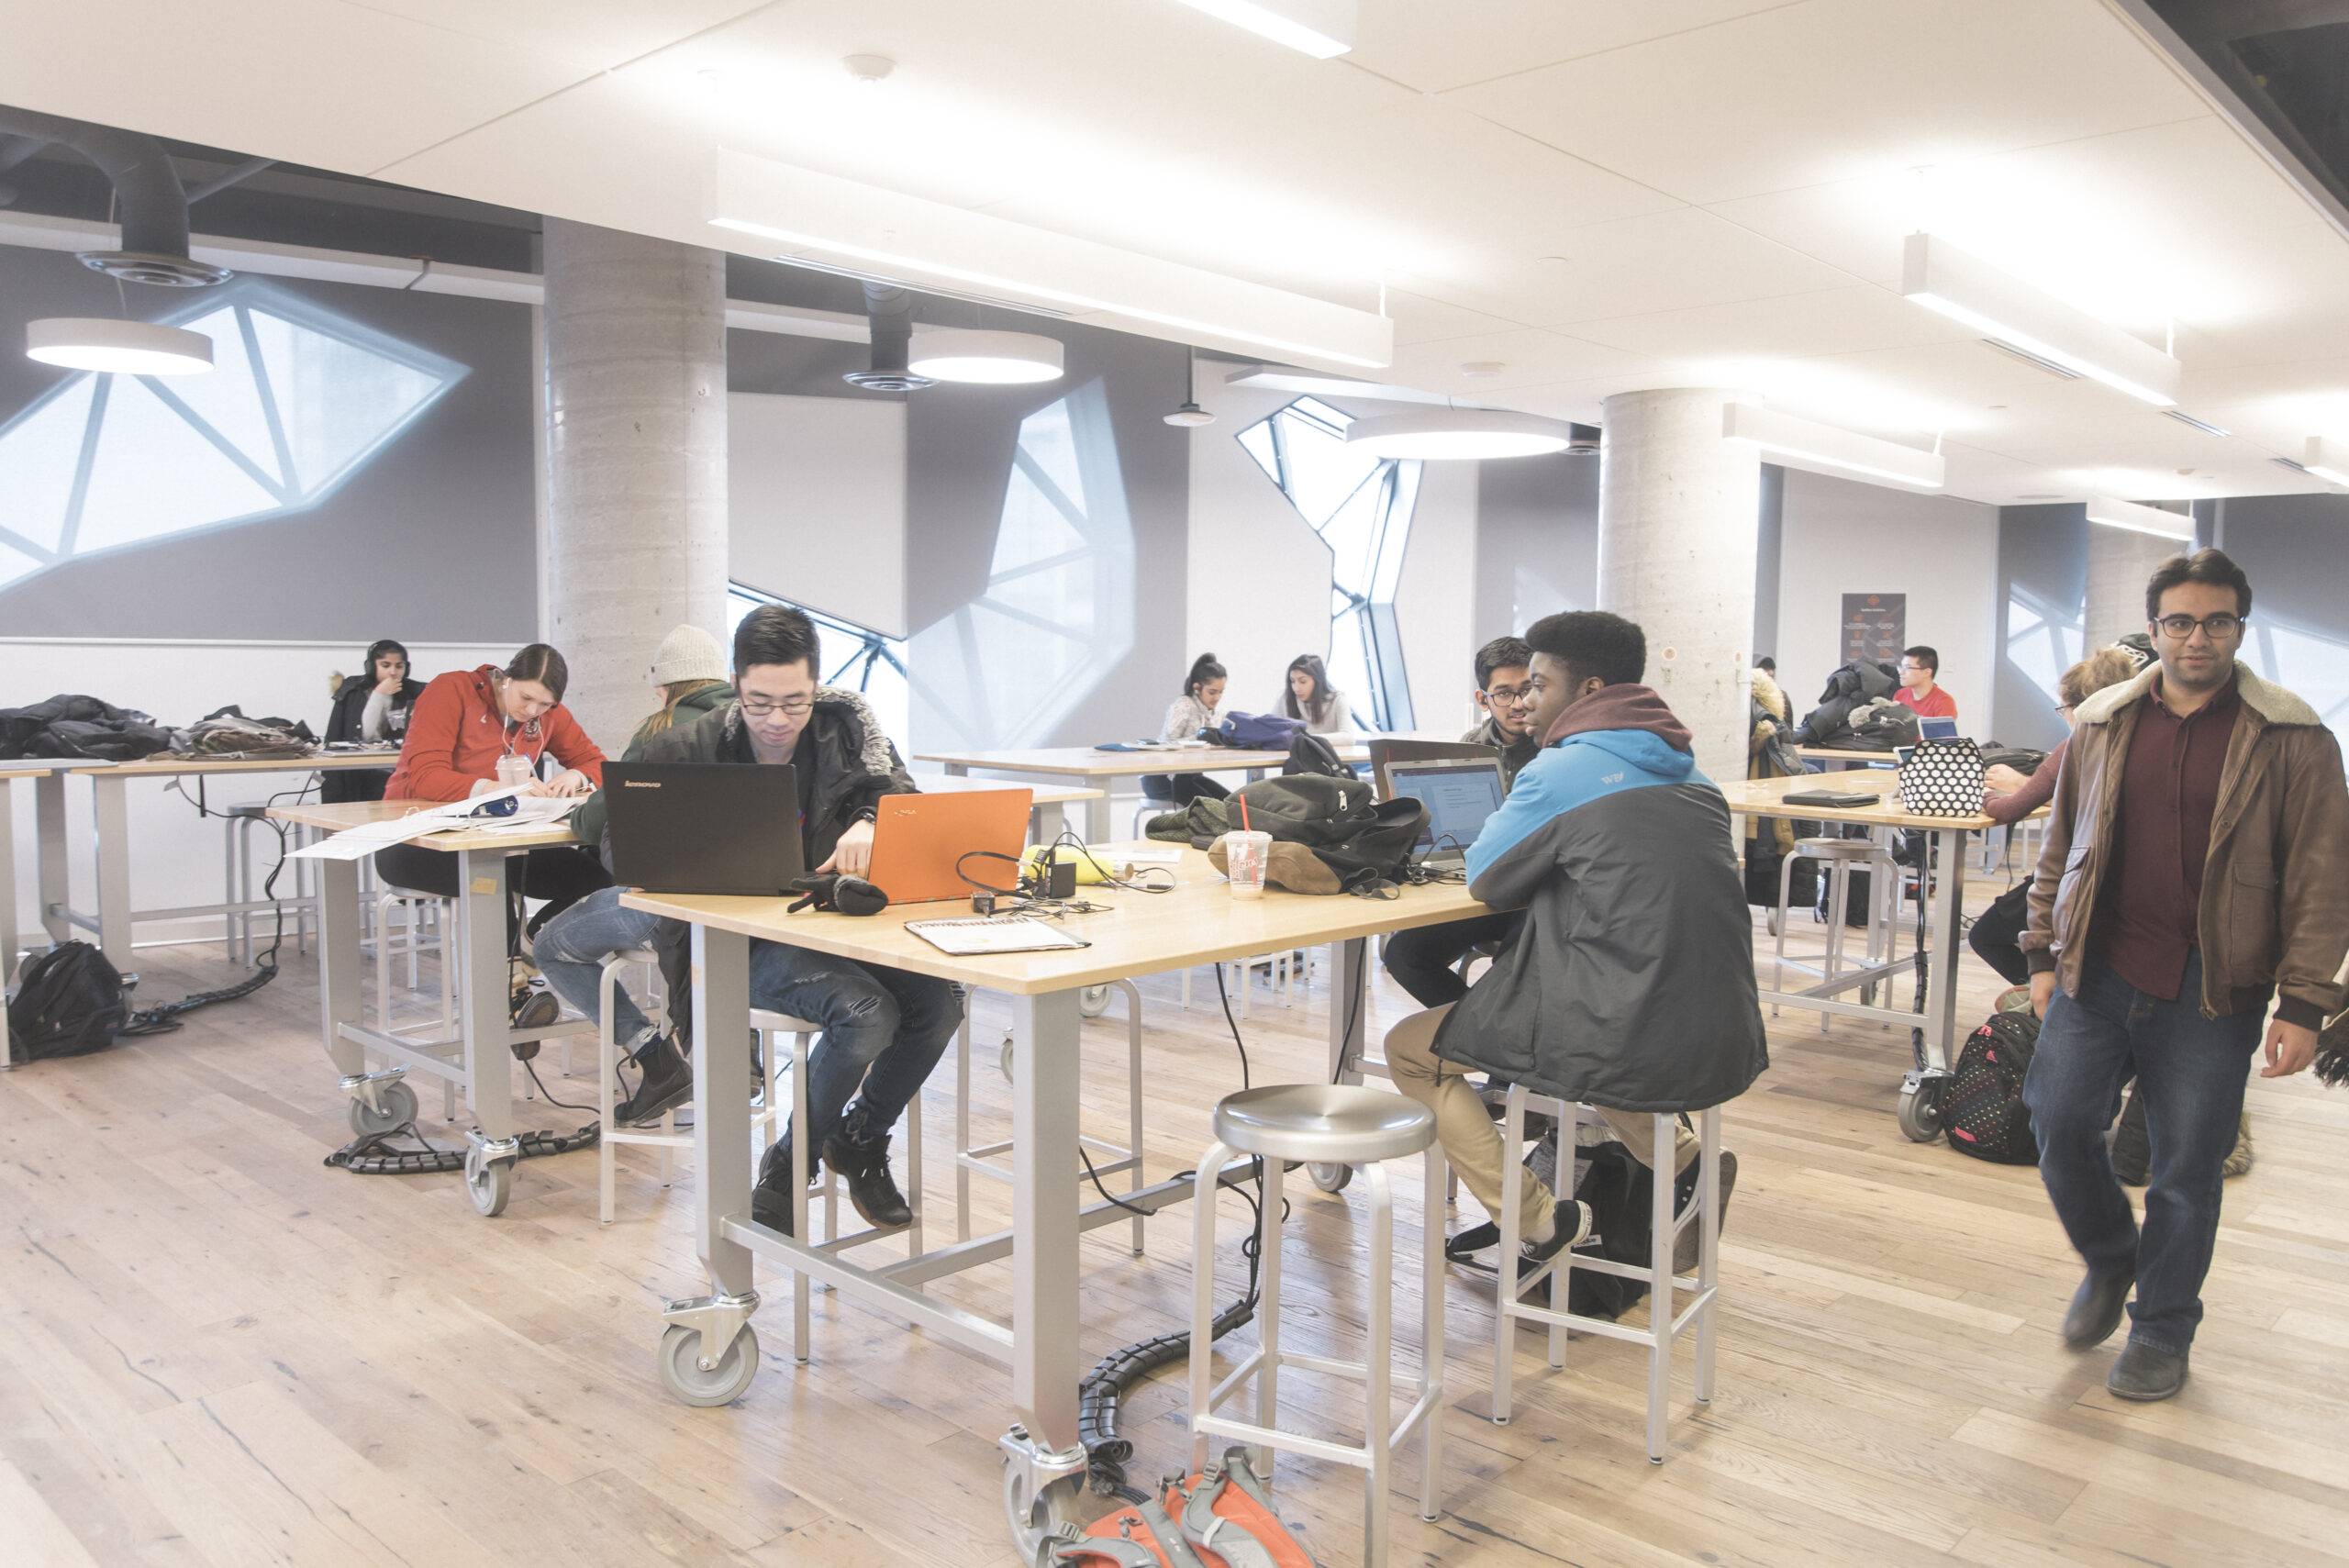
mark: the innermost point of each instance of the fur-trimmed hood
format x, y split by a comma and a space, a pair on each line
875, 751
2271, 702
1771, 695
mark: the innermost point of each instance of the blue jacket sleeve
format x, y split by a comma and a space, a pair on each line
1504, 868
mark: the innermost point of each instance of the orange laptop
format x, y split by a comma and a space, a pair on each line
918, 838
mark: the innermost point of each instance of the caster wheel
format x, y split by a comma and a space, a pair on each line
1003, 1058
399, 1109
1330, 1178
1920, 1114
1031, 1518
490, 1187
682, 1373
1093, 1001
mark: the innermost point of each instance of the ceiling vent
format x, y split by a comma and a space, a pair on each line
148, 199
890, 311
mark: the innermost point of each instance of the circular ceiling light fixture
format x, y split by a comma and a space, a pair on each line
1188, 415
992, 359
122, 348
1442, 433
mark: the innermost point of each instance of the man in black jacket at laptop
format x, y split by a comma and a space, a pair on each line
883, 1030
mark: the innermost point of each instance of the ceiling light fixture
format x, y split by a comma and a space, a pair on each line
121, 348
1806, 444
2204, 426
2016, 316
914, 241
989, 358
1448, 433
2328, 461
2118, 513
1323, 28
1189, 415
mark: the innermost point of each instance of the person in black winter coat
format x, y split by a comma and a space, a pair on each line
370, 707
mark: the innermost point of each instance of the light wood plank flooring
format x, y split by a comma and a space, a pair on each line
216, 1350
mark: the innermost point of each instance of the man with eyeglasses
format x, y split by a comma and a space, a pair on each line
1921, 667
1423, 962
883, 1030
2197, 866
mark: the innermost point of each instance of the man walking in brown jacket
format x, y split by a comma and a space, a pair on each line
2197, 866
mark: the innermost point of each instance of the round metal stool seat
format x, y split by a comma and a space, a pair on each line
1338, 1124
1837, 849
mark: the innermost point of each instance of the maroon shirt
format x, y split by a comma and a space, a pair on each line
2169, 788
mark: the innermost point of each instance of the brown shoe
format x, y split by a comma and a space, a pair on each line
2240, 1161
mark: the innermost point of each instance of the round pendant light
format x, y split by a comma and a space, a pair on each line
123, 348
995, 359
1442, 433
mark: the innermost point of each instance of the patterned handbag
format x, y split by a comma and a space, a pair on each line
1942, 778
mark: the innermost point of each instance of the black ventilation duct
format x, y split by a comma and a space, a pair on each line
890, 312
150, 203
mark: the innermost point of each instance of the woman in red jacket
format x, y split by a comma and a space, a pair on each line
462, 723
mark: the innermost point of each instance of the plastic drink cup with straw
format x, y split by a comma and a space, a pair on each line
1245, 855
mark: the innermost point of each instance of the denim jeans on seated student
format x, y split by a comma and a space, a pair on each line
883, 1029
572, 946
2191, 1070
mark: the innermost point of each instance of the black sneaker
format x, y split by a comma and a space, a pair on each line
1534, 1258
532, 1006
668, 1083
1460, 1246
771, 1198
1691, 1236
862, 1157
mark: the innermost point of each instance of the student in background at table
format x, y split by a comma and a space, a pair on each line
689, 671
1921, 667
463, 723
370, 708
1185, 716
1312, 698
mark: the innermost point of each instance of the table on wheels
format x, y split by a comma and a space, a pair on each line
482, 1067
1921, 1088
110, 822
709, 1354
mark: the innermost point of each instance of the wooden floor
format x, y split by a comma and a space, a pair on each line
216, 1350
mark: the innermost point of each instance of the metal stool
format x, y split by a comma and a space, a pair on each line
1664, 1325
668, 1138
968, 1158
769, 1025
1839, 858
1341, 1124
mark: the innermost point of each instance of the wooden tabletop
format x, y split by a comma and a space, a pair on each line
359, 813
8, 773
1766, 797
166, 767
1045, 793
1083, 761
1844, 754
1199, 922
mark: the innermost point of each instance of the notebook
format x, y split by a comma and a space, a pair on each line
982, 934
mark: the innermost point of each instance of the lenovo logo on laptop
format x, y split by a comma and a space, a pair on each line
639, 783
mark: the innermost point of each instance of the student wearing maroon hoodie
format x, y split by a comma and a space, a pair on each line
462, 723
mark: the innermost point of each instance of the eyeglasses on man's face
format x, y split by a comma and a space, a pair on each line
790, 707
2219, 627
1509, 696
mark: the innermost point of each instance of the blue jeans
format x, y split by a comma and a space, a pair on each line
572, 946
2191, 1070
883, 1029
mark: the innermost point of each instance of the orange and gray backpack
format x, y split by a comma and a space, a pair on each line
1222, 1518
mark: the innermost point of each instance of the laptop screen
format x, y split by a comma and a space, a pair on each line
1937, 730
1458, 796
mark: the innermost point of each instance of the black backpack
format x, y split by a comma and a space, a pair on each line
69, 1002
1982, 1106
1309, 753
1362, 840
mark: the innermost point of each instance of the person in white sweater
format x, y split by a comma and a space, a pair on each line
1312, 698
1185, 716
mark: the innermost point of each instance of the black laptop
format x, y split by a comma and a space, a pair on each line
1385, 752
704, 826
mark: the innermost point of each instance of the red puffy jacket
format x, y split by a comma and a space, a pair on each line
457, 733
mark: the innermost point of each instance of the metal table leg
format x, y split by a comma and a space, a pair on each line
1349, 1008
55, 873
1941, 1028
1045, 1457
340, 982
1051, 823
1098, 824
492, 1148
111, 818
7, 892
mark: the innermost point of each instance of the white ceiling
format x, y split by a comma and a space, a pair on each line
1598, 194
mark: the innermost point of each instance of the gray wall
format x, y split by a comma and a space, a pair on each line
1537, 540
431, 540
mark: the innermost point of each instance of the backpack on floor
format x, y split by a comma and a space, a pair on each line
1982, 1106
69, 1002
1182, 1525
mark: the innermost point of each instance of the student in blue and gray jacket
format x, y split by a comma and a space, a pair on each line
1630, 985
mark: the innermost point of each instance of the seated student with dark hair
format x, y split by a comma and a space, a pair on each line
370, 708
1187, 715
883, 1030
1630, 986
463, 723
1422, 960
1921, 667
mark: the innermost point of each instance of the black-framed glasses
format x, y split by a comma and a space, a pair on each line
2221, 626
791, 707
1509, 695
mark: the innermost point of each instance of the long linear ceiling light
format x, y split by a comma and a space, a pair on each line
1804, 443
1323, 28
2328, 461
2015, 315
2114, 513
914, 239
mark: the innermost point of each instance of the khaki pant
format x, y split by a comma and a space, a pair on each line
1471, 1139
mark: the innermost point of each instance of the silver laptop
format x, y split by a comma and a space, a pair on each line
1459, 794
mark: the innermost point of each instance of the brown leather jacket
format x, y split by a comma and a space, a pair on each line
2274, 910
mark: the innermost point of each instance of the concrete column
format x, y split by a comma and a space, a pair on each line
2119, 564
1678, 510
635, 333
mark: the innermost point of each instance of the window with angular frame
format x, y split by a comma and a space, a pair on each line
2044, 640
1361, 506
851, 656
